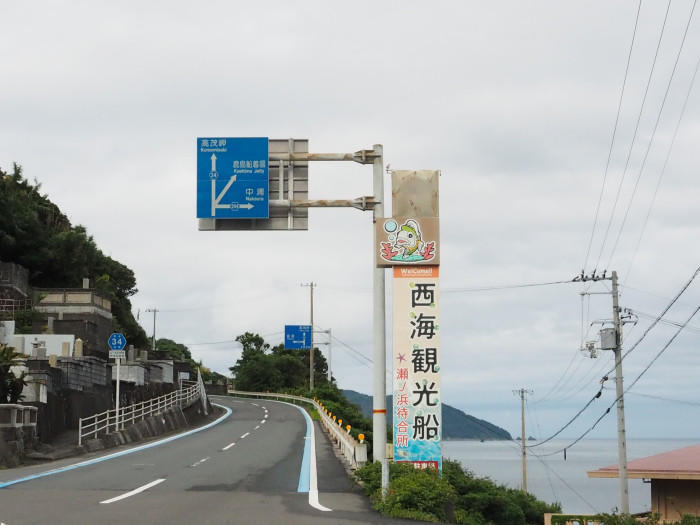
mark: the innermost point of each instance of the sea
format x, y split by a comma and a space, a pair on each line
556, 479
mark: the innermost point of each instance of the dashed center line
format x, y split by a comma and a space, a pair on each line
203, 460
262, 422
257, 427
135, 491
228, 446
245, 435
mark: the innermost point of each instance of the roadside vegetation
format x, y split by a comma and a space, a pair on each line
11, 385
37, 235
458, 496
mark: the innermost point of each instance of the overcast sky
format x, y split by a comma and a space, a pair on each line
515, 103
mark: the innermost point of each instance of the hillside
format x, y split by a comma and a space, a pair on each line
456, 424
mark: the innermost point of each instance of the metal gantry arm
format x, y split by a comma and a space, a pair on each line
365, 156
375, 157
360, 203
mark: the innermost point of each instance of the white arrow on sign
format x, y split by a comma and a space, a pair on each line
216, 199
213, 174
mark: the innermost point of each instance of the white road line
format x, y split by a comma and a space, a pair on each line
265, 415
115, 455
135, 491
265, 409
257, 427
228, 446
245, 435
313, 480
198, 463
255, 404
262, 422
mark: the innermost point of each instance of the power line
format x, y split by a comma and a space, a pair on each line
634, 136
550, 438
612, 140
504, 287
355, 351
607, 411
660, 398
598, 394
653, 134
666, 321
663, 169
660, 316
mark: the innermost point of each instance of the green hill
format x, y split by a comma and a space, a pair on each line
456, 424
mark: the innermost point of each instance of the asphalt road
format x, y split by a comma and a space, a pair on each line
248, 468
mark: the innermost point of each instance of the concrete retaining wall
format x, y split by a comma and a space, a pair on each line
151, 427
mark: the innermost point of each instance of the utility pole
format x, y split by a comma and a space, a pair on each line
311, 286
379, 328
619, 391
522, 393
615, 344
153, 339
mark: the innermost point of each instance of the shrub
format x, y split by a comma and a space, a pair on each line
457, 497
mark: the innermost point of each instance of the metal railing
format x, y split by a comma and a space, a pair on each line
109, 420
10, 307
354, 452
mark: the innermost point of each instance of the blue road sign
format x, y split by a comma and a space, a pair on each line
232, 178
116, 341
297, 336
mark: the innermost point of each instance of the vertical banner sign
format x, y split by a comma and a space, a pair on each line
416, 363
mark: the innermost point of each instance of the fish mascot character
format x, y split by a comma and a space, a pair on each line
409, 238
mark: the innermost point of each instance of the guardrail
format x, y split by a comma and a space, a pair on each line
354, 452
93, 426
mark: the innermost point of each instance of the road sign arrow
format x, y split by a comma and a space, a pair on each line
226, 188
246, 206
213, 174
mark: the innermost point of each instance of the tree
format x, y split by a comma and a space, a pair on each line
262, 368
11, 385
37, 235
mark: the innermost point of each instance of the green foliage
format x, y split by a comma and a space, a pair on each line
173, 350
422, 493
475, 501
24, 321
11, 385
265, 369
37, 235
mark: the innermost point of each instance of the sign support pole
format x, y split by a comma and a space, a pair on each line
379, 315
118, 360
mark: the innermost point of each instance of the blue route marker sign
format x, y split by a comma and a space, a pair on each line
297, 336
233, 178
116, 341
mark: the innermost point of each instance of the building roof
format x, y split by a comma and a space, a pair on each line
683, 463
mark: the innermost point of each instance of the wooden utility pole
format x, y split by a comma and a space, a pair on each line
619, 391
153, 339
522, 392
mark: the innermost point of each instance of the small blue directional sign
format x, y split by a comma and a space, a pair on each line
232, 178
116, 341
297, 336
